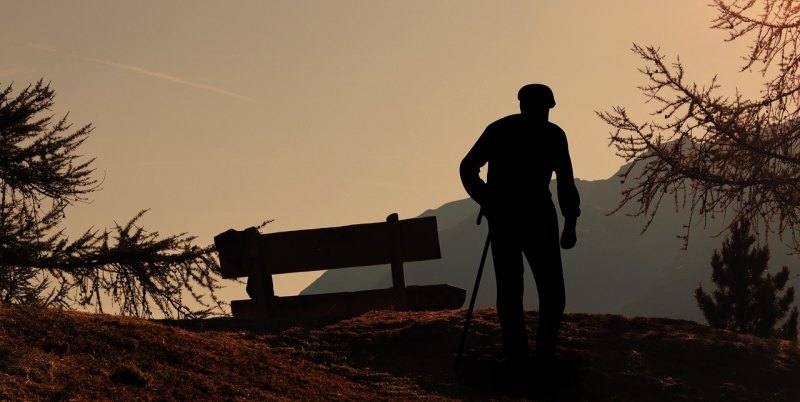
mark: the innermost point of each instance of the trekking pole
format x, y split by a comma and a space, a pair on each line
472, 300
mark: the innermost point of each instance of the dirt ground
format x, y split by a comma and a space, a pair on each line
383, 355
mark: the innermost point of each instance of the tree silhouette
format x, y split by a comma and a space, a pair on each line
41, 174
717, 153
746, 300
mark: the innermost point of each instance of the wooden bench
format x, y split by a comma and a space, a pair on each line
259, 256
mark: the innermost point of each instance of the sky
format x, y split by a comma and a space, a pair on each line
217, 115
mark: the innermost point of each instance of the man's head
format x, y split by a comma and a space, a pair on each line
536, 99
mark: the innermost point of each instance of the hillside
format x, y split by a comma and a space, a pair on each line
384, 355
614, 269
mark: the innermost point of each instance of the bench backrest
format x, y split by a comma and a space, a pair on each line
330, 248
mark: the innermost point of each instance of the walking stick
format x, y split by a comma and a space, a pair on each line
472, 300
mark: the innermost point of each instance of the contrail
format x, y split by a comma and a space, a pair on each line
144, 71
8, 72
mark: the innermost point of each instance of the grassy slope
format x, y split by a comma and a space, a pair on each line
46, 354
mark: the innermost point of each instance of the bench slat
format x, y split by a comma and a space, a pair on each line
427, 297
347, 246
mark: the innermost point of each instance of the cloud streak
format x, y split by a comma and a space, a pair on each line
9, 72
147, 72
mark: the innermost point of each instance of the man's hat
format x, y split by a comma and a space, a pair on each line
537, 94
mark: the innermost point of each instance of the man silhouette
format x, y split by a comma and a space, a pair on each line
523, 150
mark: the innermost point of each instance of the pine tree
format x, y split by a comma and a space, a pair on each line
748, 299
41, 174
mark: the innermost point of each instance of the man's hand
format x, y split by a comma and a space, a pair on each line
568, 236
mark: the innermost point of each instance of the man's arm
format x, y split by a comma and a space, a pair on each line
471, 168
568, 197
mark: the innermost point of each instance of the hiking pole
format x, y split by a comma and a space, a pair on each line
472, 300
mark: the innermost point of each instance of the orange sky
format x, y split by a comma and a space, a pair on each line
219, 115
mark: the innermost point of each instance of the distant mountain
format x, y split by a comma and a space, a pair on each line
613, 269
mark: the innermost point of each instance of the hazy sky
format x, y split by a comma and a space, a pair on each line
220, 115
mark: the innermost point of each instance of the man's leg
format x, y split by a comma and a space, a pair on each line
508, 270
544, 255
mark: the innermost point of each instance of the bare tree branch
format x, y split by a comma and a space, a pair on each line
717, 153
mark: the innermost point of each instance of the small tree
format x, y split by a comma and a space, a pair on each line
41, 174
745, 300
